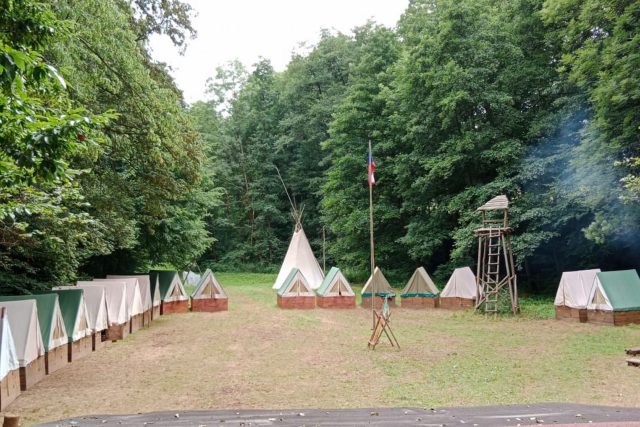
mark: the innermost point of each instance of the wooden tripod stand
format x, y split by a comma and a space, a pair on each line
382, 326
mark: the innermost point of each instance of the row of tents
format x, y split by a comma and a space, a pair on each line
605, 297
43, 332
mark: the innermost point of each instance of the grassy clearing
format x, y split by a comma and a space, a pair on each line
258, 356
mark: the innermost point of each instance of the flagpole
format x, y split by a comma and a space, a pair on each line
373, 259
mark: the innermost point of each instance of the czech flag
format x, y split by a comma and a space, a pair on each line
371, 168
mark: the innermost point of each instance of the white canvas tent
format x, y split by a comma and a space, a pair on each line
420, 284
144, 282
575, 287
25, 328
134, 298
116, 299
95, 301
8, 355
208, 287
377, 285
300, 256
461, 284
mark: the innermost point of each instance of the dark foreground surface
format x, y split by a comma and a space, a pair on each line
547, 414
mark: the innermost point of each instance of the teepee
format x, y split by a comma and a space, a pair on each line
377, 287
300, 256
209, 295
420, 291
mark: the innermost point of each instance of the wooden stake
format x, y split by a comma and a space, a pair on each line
373, 259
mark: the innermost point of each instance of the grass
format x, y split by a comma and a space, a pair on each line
258, 356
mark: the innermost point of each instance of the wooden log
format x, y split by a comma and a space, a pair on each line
11, 421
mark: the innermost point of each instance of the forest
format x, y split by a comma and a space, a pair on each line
104, 168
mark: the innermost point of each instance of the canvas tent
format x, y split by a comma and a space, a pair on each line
299, 255
335, 291
52, 329
146, 295
615, 298
173, 297
296, 292
76, 320
135, 310
96, 303
208, 294
376, 290
116, 298
9, 366
420, 291
460, 291
27, 336
573, 292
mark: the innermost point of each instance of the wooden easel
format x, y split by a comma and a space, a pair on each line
382, 325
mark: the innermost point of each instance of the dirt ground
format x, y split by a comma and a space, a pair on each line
256, 356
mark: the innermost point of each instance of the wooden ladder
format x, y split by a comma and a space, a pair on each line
494, 250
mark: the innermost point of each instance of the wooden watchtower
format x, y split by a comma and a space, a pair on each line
496, 273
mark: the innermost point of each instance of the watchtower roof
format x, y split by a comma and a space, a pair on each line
495, 204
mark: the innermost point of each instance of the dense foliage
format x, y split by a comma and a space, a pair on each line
463, 101
103, 168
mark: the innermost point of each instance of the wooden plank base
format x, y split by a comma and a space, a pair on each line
613, 318
304, 303
99, 340
377, 303
56, 358
174, 307
80, 348
336, 302
419, 302
572, 314
135, 323
32, 373
456, 303
146, 318
155, 312
118, 332
210, 305
9, 388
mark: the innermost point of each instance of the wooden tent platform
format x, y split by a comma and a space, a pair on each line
155, 312
174, 307
210, 305
298, 302
9, 388
136, 323
420, 302
56, 358
336, 302
80, 348
146, 318
564, 312
457, 303
32, 373
99, 340
613, 318
118, 332
377, 303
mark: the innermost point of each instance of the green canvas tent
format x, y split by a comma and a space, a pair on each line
173, 297
76, 321
52, 328
615, 298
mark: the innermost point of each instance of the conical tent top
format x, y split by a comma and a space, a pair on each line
335, 284
299, 255
377, 285
420, 285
